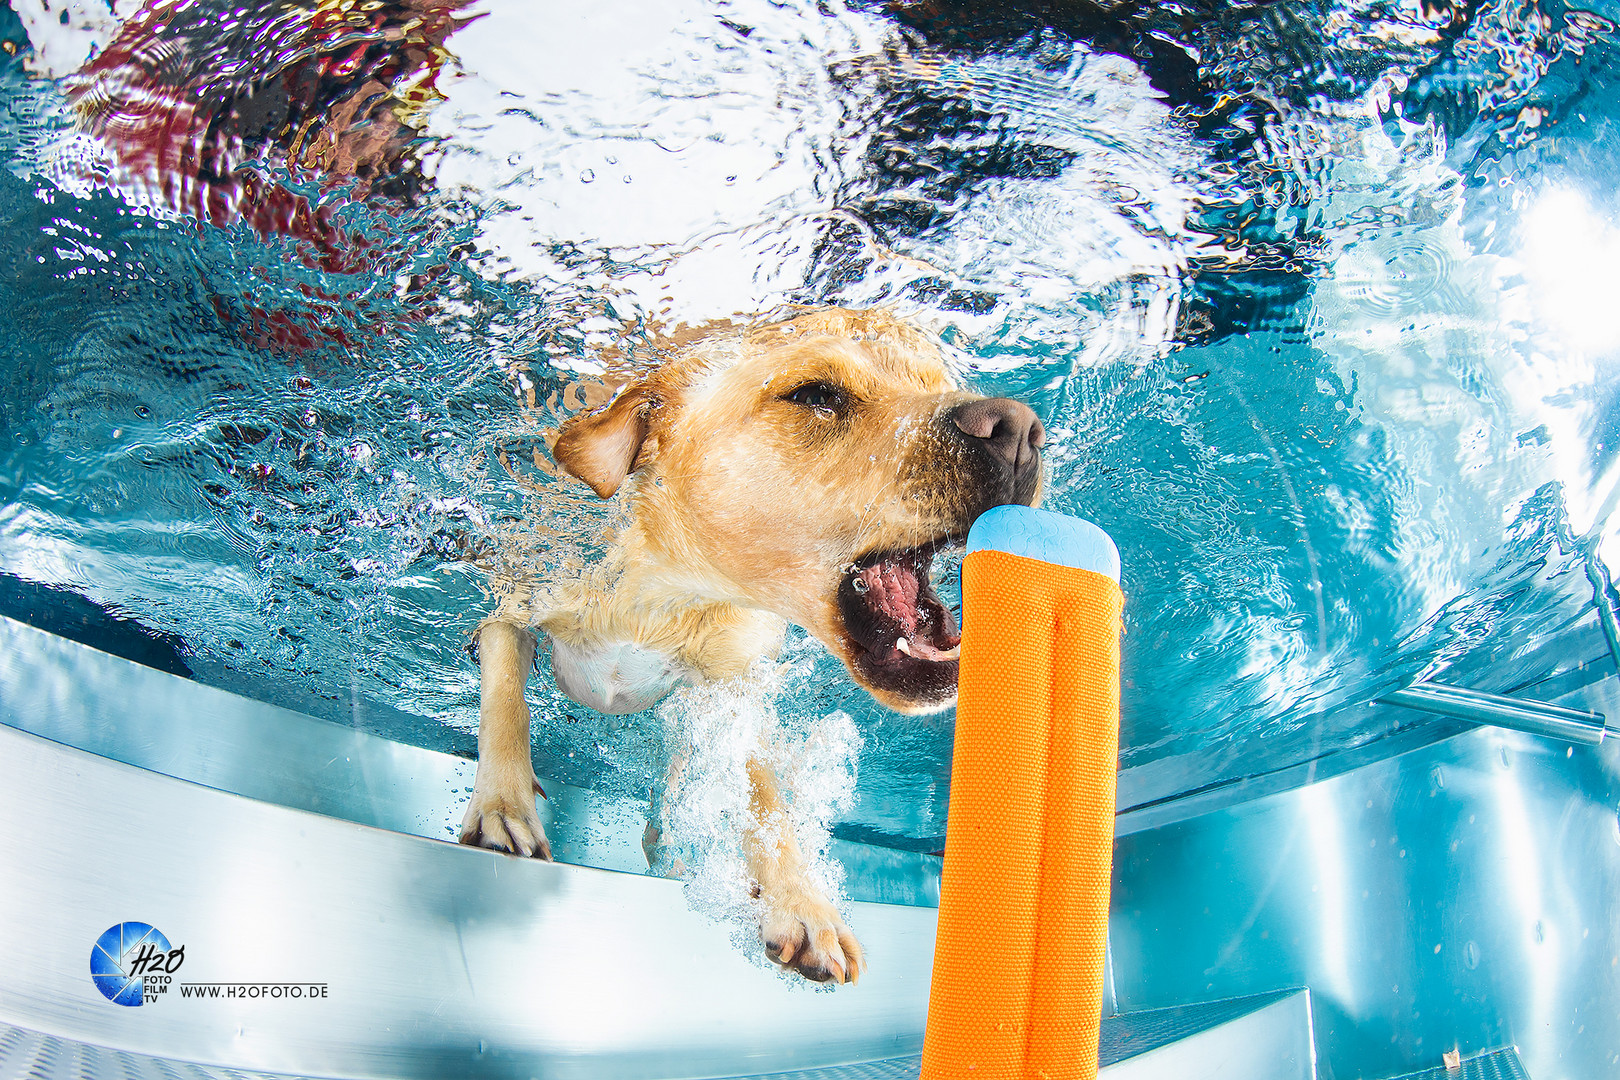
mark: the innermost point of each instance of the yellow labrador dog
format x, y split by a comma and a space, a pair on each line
801, 471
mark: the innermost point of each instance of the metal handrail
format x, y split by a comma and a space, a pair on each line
1476, 706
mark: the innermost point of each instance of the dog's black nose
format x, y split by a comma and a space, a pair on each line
1011, 431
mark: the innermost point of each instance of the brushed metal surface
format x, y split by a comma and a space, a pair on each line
440, 960
1271, 1042
1133, 1034
1257, 1035
1461, 895
73, 694
31, 1055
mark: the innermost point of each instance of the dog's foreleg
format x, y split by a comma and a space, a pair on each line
502, 813
801, 928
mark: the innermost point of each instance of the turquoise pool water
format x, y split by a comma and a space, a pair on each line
1314, 301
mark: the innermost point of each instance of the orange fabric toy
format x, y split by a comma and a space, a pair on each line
1023, 918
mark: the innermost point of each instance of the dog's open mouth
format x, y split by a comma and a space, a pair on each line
905, 639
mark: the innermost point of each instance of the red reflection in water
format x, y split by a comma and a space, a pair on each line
203, 110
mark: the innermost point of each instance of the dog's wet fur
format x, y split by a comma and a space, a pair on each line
800, 471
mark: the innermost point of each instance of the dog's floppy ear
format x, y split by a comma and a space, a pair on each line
601, 448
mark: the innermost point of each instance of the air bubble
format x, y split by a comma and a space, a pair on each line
715, 731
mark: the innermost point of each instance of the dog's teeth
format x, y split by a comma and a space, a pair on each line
924, 651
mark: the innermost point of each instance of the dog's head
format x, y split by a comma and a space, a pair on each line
812, 468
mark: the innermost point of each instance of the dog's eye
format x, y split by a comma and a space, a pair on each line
818, 396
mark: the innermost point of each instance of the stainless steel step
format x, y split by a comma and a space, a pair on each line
1460, 894
438, 960
1262, 1038
75, 695
433, 959
31, 1055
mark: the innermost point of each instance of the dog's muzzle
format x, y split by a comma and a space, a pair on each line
1006, 436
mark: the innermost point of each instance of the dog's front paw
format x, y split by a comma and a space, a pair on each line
502, 817
803, 931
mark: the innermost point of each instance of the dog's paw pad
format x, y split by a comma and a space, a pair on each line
505, 824
806, 934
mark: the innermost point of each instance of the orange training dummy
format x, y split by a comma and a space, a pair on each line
1023, 913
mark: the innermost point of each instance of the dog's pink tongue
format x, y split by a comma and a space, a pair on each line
892, 590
